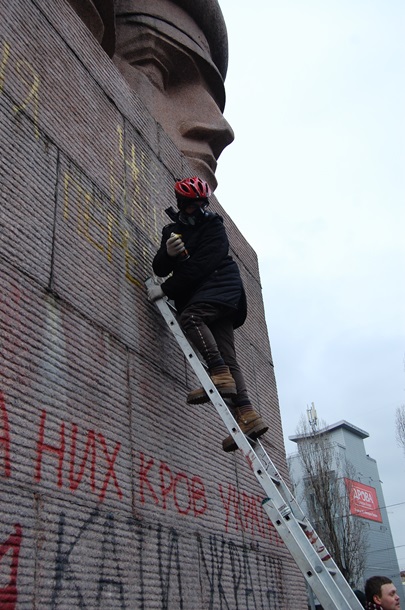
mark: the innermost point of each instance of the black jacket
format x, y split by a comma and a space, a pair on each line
210, 275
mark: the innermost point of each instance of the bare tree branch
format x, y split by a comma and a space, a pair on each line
326, 471
400, 426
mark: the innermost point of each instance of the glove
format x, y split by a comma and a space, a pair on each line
174, 245
155, 293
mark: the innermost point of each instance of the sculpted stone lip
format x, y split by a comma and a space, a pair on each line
205, 158
204, 169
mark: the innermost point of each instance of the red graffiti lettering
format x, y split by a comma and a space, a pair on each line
110, 471
5, 436
143, 480
244, 511
181, 476
89, 448
229, 503
58, 452
198, 495
251, 507
96, 458
165, 489
9, 593
187, 495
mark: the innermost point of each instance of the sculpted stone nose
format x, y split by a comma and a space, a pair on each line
218, 135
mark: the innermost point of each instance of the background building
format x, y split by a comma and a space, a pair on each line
365, 495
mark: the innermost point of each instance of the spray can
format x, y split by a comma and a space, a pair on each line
184, 255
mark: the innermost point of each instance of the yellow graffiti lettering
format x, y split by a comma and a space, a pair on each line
66, 179
155, 235
133, 166
3, 64
105, 226
86, 218
138, 207
130, 263
24, 70
132, 207
117, 187
136, 213
120, 140
131, 163
85, 206
113, 228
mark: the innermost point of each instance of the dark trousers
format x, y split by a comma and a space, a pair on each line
210, 328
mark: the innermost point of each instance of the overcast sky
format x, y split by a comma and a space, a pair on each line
315, 182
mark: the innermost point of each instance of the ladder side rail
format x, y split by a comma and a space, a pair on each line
257, 457
276, 506
296, 531
288, 495
302, 519
259, 466
333, 593
313, 559
214, 396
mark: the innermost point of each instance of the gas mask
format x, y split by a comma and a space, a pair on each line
194, 216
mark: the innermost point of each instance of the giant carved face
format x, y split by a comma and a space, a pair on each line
166, 59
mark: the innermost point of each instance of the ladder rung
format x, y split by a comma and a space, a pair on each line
303, 524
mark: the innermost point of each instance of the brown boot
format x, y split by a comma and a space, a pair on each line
250, 423
222, 380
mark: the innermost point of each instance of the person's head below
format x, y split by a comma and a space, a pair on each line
381, 592
174, 55
192, 199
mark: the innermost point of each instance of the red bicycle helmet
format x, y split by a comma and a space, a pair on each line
192, 188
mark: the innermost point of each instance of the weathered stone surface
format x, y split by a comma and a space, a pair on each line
114, 492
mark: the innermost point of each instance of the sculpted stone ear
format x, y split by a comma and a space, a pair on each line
98, 15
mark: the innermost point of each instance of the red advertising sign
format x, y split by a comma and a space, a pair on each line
363, 501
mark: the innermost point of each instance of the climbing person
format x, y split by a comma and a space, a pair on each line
207, 289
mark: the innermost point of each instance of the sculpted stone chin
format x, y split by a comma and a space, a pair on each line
174, 55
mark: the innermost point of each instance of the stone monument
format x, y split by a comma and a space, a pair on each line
114, 493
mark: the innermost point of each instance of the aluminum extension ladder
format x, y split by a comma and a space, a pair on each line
312, 558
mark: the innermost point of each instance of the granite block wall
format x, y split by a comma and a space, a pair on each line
113, 492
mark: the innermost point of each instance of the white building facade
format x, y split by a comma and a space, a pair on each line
366, 496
